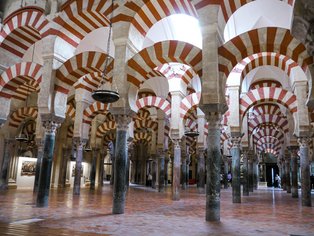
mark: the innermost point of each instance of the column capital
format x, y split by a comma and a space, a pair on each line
79, 142
51, 126
304, 141
122, 121
40, 142
236, 142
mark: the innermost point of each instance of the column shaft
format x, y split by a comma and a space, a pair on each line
294, 188
78, 167
161, 184
288, 181
176, 172
93, 170
236, 184
201, 172
5, 164
183, 172
250, 174
245, 176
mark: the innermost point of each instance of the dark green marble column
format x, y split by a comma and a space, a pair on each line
45, 173
294, 171
161, 165
245, 174
120, 165
8, 149
283, 177
93, 169
287, 168
226, 170
154, 172
176, 171
236, 183
305, 171
39, 156
167, 159
183, 171
64, 165
79, 143
201, 171
250, 174
112, 157
213, 166
255, 173
103, 153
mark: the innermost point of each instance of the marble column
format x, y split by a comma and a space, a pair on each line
167, 159
112, 157
250, 174
213, 166
294, 171
201, 171
236, 182
283, 174
8, 149
245, 174
287, 168
154, 172
305, 171
45, 173
188, 161
183, 171
255, 173
161, 167
226, 170
64, 166
176, 171
102, 156
39, 155
93, 169
120, 165
79, 143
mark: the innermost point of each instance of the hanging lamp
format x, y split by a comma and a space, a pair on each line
87, 147
101, 94
191, 133
22, 137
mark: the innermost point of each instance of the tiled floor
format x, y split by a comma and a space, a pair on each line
265, 212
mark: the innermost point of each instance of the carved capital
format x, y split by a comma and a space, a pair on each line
304, 142
40, 142
236, 142
122, 121
79, 142
50, 126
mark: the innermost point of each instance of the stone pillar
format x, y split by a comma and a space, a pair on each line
120, 165
213, 166
183, 170
112, 157
64, 166
45, 173
294, 171
287, 168
255, 173
40, 152
154, 172
201, 171
93, 169
236, 182
161, 169
102, 156
283, 174
226, 170
79, 143
167, 159
250, 173
245, 174
176, 171
305, 171
8, 149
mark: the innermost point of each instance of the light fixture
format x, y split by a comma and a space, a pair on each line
87, 147
191, 133
101, 94
22, 137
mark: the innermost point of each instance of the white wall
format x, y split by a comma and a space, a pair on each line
86, 173
24, 181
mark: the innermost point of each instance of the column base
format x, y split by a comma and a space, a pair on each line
212, 208
201, 190
118, 205
76, 190
294, 193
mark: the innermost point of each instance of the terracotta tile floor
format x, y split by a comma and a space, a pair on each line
265, 212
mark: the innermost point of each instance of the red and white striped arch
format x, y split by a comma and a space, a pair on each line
153, 101
79, 65
144, 14
189, 102
148, 124
191, 124
268, 139
271, 151
91, 81
109, 137
224, 136
268, 146
70, 111
266, 108
78, 18
142, 114
22, 29
268, 94
13, 78
138, 136
141, 64
279, 121
267, 131
269, 39
104, 128
228, 7
265, 83
93, 110
21, 114
70, 131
